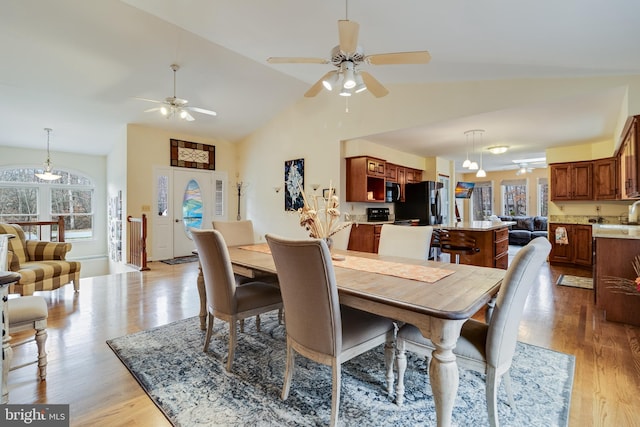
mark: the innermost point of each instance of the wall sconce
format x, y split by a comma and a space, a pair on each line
277, 189
315, 187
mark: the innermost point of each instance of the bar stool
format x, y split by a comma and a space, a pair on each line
457, 243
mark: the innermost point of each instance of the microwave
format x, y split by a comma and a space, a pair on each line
392, 192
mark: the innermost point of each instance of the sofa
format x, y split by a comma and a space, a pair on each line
41, 265
525, 228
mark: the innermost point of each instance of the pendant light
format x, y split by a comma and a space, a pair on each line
474, 165
467, 162
481, 173
47, 175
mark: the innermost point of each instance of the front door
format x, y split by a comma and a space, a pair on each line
192, 207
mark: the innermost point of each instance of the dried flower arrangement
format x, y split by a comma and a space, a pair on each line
624, 286
322, 220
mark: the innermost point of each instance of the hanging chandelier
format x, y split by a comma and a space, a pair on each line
47, 175
472, 164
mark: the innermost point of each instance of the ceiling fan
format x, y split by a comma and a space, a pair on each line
173, 106
347, 57
523, 169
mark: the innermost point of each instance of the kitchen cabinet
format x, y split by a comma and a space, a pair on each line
571, 181
365, 237
613, 261
579, 250
391, 173
605, 173
492, 240
365, 179
402, 175
628, 157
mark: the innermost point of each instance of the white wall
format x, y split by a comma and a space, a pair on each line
92, 166
314, 127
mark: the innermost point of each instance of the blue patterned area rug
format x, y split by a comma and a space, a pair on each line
193, 388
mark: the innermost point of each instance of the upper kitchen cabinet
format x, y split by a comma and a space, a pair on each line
365, 179
571, 181
628, 158
605, 176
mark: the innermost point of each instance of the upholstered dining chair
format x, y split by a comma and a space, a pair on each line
486, 348
226, 300
405, 241
341, 238
30, 312
317, 326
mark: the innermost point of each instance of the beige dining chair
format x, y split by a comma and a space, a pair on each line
486, 348
341, 238
25, 313
226, 300
405, 241
318, 328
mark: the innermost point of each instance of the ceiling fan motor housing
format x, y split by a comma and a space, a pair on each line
338, 57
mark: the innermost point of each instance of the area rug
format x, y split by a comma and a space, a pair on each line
575, 281
193, 388
180, 260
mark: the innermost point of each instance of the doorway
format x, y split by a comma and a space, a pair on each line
185, 199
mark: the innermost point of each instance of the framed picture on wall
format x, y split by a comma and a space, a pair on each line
293, 184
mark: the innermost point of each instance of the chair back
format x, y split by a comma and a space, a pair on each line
216, 269
405, 241
341, 238
457, 242
520, 277
309, 293
236, 233
18, 245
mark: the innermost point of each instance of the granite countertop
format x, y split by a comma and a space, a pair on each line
616, 231
475, 225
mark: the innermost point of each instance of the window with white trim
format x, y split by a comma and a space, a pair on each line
482, 201
514, 197
543, 196
24, 197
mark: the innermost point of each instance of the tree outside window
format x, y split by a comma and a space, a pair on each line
543, 197
24, 197
482, 201
514, 196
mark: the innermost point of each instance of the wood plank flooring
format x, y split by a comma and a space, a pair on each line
86, 374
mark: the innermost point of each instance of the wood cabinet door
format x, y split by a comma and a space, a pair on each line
582, 245
560, 181
582, 181
560, 253
375, 167
631, 161
362, 238
605, 172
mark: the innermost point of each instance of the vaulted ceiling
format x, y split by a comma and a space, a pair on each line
77, 66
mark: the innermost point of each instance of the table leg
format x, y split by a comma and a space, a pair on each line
443, 370
203, 299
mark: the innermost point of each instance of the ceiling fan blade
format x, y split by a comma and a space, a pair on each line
348, 33
418, 57
188, 117
152, 109
317, 86
200, 110
294, 60
373, 85
148, 100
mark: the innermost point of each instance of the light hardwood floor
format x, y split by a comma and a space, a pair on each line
86, 374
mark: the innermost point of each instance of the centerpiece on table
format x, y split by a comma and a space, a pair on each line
320, 216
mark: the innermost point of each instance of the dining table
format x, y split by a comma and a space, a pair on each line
436, 297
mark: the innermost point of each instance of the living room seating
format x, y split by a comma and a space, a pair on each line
41, 265
526, 228
318, 327
486, 348
226, 300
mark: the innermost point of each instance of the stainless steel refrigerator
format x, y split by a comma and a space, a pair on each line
422, 201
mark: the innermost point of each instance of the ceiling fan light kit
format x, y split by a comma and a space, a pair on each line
47, 173
347, 57
174, 106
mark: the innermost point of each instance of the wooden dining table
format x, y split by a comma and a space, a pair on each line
437, 308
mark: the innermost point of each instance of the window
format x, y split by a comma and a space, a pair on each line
482, 201
514, 197
24, 197
543, 197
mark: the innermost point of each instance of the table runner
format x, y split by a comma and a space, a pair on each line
420, 273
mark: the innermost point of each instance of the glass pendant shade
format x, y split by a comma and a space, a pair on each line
466, 163
473, 166
47, 174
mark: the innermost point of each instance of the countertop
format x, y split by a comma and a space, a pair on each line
616, 231
475, 225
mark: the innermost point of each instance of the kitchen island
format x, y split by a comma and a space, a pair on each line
616, 247
492, 238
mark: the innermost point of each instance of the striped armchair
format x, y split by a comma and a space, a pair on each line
41, 264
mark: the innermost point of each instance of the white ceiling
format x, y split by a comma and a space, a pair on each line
75, 66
